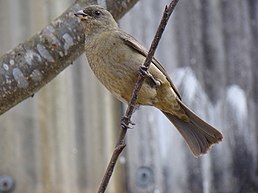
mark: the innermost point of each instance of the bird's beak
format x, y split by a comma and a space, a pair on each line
81, 14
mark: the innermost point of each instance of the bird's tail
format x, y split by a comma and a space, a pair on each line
198, 134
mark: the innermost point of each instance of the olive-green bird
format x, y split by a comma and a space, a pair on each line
115, 58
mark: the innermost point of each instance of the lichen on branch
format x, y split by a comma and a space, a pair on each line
35, 62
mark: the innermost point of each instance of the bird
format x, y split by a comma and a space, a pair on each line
115, 57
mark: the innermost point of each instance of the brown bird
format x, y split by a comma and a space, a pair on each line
115, 58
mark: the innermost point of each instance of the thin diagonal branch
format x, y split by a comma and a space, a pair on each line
131, 106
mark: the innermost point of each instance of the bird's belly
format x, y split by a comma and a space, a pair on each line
119, 75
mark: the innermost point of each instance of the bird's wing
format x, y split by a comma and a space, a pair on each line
133, 43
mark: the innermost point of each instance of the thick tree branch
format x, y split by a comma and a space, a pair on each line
131, 106
35, 62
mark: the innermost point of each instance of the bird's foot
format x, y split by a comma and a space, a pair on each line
144, 72
126, 123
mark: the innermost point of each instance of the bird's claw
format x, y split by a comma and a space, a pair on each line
156, 82
144, 72
126, 123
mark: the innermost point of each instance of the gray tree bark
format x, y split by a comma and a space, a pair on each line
61, 139
32, 64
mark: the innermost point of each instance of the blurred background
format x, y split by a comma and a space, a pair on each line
61, 139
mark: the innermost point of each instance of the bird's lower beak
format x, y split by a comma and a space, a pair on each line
81, 14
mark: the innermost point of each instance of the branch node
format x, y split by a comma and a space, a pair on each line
166, 8
120, 147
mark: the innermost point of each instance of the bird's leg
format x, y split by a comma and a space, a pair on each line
144, 72
125, 123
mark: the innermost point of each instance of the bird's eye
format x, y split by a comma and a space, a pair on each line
97, 13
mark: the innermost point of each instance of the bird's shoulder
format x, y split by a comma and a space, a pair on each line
134, 44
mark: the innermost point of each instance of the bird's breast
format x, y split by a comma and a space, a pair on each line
114, 64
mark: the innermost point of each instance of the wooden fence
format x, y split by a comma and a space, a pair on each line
61, 139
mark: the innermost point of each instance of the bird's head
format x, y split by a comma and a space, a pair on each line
96, 18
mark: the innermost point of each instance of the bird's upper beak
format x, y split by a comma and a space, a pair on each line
81, 14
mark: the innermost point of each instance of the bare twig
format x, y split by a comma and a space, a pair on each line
131, 106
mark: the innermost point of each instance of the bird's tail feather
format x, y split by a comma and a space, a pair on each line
198, 134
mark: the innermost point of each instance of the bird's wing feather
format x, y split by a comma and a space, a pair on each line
133, 43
